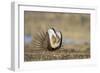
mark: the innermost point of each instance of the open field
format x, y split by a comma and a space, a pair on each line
75, 30
70, 52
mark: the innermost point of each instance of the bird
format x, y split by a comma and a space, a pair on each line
50, 39
54, 39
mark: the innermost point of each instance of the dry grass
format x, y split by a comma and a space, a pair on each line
74, 26
64, 53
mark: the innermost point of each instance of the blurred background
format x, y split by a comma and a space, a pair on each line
75, 28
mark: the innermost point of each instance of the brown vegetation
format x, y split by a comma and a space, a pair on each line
72, 25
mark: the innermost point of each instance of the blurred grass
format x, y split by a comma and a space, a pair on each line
72, 25
67, 52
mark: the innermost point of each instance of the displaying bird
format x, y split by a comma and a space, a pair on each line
54, 39
51, 39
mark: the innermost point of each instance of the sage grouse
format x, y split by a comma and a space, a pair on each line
51, 39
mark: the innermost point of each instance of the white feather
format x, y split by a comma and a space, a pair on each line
52, 33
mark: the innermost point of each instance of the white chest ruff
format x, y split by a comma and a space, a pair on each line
55, 34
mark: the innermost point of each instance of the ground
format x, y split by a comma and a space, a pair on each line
74, 26
64, 53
